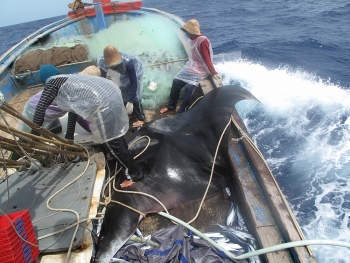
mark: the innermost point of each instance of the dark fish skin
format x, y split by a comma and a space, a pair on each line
177, 161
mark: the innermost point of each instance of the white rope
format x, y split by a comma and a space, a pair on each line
70, 210
211, 174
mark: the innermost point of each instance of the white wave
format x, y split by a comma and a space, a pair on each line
303, 129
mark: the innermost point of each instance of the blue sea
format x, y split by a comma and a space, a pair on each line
296, 61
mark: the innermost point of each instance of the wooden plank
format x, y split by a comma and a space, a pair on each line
288, 227
254, 205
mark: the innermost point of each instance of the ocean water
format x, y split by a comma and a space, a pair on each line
296, 61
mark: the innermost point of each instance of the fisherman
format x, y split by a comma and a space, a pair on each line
97, 100
52, 115
53, 112
198, 67
78, 4
127, 71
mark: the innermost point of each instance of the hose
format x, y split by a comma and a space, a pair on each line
260, 251
144, 240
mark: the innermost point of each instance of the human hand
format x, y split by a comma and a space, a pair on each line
129, 108
70, 141
69, 138
34, 132
217, 77
218, 80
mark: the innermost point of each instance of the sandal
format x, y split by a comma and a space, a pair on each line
138, 124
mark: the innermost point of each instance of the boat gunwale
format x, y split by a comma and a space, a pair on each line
15, 52
288, 227
9, 56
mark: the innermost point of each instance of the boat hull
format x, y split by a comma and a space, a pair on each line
256, 192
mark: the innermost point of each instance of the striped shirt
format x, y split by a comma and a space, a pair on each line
47, 97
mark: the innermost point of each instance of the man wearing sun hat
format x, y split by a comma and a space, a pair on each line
126, 71
198, 67
98, 101
53, 112
78, 4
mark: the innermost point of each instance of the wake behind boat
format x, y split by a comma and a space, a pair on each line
155, 37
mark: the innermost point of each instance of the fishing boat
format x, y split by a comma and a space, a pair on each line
155, 37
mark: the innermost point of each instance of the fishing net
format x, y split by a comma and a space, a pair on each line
56, 56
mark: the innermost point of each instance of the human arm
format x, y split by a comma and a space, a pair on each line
205, 52
72, 119
47, 97
133, 81
103, 73
101, 66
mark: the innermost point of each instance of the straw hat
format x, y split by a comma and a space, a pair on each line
91, 71
192, 27
111, 56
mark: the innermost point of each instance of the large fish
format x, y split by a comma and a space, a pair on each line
177, 165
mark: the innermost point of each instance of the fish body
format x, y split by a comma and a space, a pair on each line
178, 159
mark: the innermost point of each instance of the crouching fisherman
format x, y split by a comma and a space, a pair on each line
127, 71
98, 101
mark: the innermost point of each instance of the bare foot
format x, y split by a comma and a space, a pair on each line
164, 110
138, 124
126, 183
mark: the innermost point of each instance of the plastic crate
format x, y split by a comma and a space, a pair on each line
26, 256
13, 248
19, 220
10, 246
